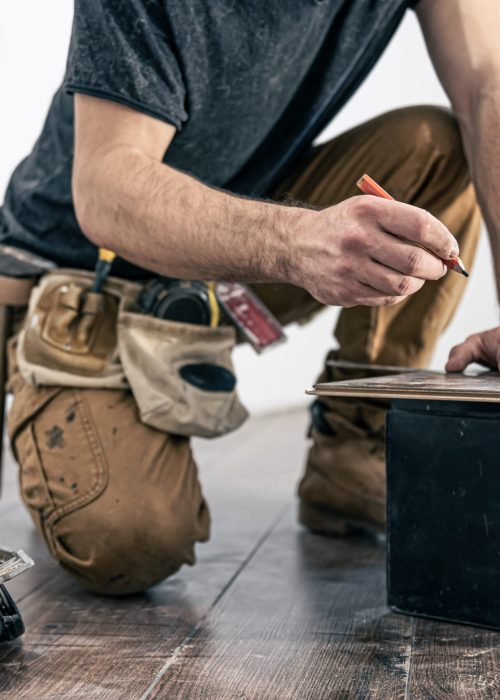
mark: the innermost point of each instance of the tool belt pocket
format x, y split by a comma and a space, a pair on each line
69, 337
181, 374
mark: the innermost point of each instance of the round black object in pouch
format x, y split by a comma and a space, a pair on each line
208, 377
186, 306
177, 300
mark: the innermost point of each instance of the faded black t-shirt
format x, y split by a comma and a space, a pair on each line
247, 83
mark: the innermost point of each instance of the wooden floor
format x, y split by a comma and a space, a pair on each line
270, 611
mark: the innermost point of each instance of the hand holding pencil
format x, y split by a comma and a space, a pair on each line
368, 186
366, 251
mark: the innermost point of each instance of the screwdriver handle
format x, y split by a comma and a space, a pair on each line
102, 268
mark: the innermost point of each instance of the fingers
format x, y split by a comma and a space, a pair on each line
366, 295
372, 252
387, 281
472, 350
416, 225
408, 259
461, 356
483, 348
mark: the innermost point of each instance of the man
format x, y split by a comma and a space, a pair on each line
183, 113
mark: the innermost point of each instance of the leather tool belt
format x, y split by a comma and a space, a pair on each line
73, 337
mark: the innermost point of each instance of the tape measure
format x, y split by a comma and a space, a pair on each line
168, 296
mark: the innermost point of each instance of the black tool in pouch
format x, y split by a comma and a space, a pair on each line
188, 302
179, 300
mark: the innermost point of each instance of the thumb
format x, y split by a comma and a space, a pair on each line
462, 355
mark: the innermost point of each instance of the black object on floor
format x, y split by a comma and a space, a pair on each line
11, 624
444, 510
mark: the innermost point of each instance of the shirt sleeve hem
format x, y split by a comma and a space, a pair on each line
133, 104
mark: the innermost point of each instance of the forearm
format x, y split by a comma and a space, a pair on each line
163, 220
481, 135
168, 222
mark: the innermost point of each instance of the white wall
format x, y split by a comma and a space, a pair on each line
33, 42
34, 37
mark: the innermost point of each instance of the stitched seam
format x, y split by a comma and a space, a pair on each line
21, 425
100, 468
48, 507
100, 471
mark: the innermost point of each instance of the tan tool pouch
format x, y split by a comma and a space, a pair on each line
74, 338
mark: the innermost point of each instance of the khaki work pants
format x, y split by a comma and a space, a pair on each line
118, 503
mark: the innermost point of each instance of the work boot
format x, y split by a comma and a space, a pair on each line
343, 490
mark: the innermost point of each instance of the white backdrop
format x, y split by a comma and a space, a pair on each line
33, 41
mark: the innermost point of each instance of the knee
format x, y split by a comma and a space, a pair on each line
428, 128
118, 503
116, 556
438, 128
429, 138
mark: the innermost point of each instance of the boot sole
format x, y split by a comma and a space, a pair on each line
324, 521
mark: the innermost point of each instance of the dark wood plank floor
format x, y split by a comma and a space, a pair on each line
269, 611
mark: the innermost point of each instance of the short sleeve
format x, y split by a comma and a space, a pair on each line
125, 51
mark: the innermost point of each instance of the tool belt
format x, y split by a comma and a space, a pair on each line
76, 338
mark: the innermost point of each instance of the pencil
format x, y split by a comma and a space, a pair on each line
368, 186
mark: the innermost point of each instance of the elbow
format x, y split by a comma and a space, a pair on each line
83, 204
84, 218
477, 94
89, 196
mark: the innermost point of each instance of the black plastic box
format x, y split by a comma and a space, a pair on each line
444, 510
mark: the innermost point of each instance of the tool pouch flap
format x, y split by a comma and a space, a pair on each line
69, 338
181, 374
79, 323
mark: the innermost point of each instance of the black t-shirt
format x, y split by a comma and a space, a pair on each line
247, 84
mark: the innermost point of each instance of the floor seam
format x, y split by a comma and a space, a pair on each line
194, 631
410, 659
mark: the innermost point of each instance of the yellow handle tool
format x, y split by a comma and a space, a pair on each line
214, 304
102, 268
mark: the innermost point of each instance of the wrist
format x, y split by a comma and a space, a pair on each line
285, 243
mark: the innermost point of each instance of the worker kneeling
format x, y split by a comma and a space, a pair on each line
107, 392
101, 401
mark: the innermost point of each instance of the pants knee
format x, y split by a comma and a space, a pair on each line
429, 129
119, 504
119, 557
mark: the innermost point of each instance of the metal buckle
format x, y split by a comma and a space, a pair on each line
13, 562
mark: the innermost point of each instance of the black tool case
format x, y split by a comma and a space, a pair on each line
11, 624
444, 510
